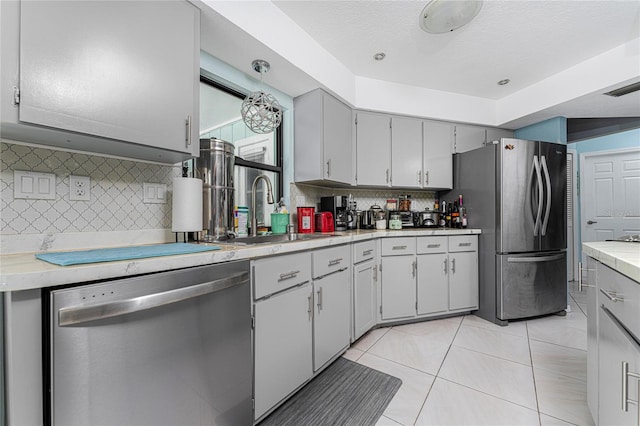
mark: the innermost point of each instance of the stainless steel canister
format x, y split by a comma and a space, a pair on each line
215, 167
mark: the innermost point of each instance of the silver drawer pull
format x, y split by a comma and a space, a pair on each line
612, 295
367, 252
335, 262
433, 245
581, 284
464, 244
625, 388
288, 275
399, 248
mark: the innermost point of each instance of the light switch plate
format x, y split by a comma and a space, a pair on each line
154, 193
79, 188
34, 185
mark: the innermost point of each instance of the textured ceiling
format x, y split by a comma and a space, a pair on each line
525, 41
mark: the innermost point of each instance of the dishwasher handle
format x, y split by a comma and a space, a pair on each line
80, 314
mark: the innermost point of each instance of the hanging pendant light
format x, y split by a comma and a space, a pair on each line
261, 111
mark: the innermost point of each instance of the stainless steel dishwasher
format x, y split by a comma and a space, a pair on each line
171, 348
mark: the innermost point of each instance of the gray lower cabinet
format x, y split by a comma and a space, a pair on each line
428, 276
283, 328
589, 278
332, 299
365, 277
118, 78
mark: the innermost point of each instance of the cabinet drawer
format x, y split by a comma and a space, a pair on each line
463, 243
330, 260
364, 251
426, 245
612, 288
279, 273
398, 246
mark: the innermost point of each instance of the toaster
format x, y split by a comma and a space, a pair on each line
324, 222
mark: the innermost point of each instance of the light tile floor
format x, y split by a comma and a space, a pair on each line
468, 371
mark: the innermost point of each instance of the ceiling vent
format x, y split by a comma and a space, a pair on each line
633, 87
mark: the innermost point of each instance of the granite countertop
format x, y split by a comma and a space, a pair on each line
622, 256
23, 271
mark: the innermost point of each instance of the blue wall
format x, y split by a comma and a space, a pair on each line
551, 130
622, 140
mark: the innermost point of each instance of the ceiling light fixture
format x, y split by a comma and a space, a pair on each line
261, 111
379, 56
443, 16
503, 82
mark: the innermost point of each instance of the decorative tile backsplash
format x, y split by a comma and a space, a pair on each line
116, 193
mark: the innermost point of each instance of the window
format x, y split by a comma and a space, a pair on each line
255, 153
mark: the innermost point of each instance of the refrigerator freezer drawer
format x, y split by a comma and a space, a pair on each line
531, 284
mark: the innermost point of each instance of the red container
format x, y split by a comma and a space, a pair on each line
324, 222
306, 220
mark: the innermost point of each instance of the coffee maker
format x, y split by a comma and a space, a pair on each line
337, 205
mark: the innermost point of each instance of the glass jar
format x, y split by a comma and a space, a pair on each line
395, 221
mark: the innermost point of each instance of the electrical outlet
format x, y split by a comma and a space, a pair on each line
79, 188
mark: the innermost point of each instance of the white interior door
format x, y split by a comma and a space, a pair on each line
610, 184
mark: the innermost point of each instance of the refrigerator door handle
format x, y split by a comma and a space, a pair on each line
543, 161
536, 168
534, 259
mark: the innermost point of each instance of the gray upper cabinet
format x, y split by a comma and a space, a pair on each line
468, 138
495, 134
437, 160
323, 140
373, 147
118, 78
406, 153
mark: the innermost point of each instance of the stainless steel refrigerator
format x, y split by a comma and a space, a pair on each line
515, 191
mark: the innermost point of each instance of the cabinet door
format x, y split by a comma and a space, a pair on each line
616, 346
406, 152
332, 316
433, 283
398, 282
463, 280
437, 155
282, 346
364, 303
494, 134
373, 149
469, 137
338, 162
121, 70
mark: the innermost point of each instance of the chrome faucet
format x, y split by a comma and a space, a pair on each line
254, 220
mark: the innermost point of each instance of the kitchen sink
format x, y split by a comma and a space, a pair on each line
276, 238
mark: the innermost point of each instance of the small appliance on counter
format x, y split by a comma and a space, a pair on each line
338, 207
427, 219
324, 222
306, 220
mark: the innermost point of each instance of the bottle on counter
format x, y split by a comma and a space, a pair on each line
436, 206
463, 213
447, 217
455, 216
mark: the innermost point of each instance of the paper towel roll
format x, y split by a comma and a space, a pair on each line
186, 214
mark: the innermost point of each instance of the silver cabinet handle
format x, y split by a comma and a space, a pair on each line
399, 248
419, 177
464, 244
335, 262
453, 265
188, 136
426, 178
80, 314
591, 222
433, 245
612, 295
387, 175
310, 309
414, 266
375, 273
445, 266
288, 275
367, 252
625, 388
319, 299
581, 285
329, 167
